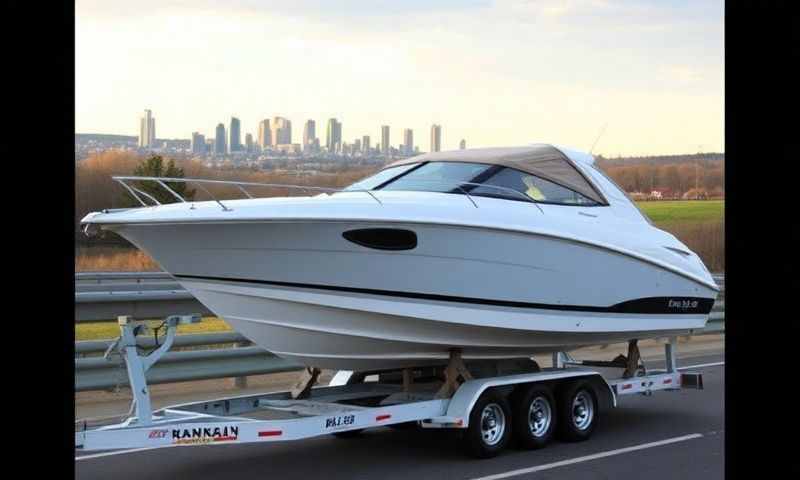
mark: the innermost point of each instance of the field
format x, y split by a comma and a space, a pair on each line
105, 330
699, 224
668, 212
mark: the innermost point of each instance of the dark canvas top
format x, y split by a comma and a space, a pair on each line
542, 160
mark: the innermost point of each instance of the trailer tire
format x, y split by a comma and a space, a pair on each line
577, 411
534, 414
348, 433
489, 426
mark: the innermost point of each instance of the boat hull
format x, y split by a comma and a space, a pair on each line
304, 292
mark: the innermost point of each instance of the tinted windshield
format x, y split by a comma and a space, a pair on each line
492, 181
374, 181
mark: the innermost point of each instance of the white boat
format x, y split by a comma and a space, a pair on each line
497, 252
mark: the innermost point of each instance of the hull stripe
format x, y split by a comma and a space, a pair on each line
647, 305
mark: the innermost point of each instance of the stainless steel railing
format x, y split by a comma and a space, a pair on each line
126, 181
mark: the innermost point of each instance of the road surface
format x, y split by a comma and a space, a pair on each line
669, 435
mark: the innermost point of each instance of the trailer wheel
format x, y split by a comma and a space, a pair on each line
489, 426
578, 412
348, 433
534, 417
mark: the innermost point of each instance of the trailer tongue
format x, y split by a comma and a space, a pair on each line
533, 405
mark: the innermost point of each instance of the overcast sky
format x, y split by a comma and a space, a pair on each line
505, 72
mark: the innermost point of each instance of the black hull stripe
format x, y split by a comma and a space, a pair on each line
647, 305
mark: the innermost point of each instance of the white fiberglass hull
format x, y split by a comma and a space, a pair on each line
302, 291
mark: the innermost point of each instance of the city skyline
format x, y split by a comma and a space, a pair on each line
654, 73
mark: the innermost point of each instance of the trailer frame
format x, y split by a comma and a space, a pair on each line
349, 403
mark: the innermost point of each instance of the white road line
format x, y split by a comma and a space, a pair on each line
119, 452
715, 364
586, 458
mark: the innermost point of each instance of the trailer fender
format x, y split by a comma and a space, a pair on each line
458, 411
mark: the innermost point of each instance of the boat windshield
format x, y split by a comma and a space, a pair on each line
457, 177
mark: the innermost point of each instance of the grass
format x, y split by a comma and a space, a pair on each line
104, 259
688, 211
107, 330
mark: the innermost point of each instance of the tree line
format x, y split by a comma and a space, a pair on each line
704, 177
95, 190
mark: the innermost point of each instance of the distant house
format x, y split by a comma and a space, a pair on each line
656, 195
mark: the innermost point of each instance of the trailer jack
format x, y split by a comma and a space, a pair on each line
138, 365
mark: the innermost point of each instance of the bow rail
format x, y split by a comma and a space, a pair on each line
200, 183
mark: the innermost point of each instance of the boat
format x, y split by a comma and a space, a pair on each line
497, 253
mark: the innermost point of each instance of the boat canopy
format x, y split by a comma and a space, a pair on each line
542, 160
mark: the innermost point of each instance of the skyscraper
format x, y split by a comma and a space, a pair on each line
309, 134
248, 142
219, 141
147, 130
365, 144
462, 144
357, 146
385, 139
264, 134
408, 141
198, 143
436, 138
235, 142
334, 134
281, 131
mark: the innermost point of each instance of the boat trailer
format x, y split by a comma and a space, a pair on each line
354, 401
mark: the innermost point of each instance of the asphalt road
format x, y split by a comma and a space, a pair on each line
665, 436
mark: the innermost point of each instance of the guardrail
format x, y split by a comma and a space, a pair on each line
103, 296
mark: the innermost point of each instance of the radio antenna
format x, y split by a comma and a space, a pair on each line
598, 137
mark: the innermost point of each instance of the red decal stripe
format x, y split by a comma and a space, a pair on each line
382, 417
223, 439
270, 433
627, 386
667, 380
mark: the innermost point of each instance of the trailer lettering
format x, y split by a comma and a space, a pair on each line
205, 434
333, 422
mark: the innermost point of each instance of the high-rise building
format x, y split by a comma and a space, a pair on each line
365, 144
462, 144
248, 142
436, 138
235, 142
219, 140
334, 134
357, 146
147, 130
198, 143
281, 131
309, 135
408, 141
264, 134
385, 139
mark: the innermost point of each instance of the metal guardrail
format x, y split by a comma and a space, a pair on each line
105, 295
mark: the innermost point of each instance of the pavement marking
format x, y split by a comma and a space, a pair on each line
586, 458
715, 364
119, 452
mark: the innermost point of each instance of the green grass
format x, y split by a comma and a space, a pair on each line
110, 330
689, 211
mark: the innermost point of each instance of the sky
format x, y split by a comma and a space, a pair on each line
495, 73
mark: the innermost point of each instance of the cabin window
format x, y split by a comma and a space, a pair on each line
383, 238
380, 178
485, 180
531, 186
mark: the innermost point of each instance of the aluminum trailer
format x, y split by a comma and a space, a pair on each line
524, 403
